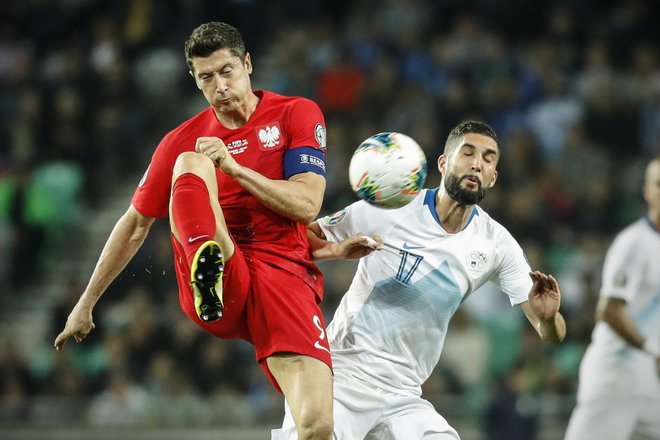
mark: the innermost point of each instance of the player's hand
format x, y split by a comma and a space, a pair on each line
357, 246
652, 347
544, 298
216, 150
78, 324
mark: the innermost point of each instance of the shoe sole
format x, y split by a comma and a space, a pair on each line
206, 279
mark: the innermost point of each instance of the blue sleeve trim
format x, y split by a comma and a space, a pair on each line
302, 160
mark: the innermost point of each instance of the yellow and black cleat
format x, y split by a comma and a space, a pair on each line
206, 279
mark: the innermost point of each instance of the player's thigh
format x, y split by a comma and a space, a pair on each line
284, 316
413, 418
306, 383
602, 418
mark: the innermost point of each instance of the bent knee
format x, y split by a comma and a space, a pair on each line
317, 430
192, 162
315, 427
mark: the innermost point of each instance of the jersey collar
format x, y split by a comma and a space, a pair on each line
648, 222
429, 200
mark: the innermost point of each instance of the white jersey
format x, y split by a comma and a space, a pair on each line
389, 328
631, 272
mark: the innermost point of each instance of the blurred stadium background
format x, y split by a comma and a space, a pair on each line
88, 87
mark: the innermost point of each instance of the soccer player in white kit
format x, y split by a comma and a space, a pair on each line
619, 389
387, 333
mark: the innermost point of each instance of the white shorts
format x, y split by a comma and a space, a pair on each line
361, 412
614, 418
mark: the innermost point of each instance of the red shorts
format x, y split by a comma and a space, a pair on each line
273, 309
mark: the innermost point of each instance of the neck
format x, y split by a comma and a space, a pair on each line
654, 218
239, 115
453, 215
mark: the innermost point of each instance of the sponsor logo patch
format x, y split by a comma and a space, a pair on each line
319, 134
144, 177
194, 239
307, 159
237, 146
620, 279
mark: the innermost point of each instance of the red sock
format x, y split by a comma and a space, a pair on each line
192, 213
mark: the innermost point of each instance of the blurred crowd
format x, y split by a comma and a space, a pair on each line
88, 88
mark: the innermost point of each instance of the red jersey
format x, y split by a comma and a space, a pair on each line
279, 125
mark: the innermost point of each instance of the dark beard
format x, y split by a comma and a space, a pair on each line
463, 196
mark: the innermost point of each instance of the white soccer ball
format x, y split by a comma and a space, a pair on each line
388, 170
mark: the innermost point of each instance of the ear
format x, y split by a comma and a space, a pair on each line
248, 63
492, 182
442, 164
195, 78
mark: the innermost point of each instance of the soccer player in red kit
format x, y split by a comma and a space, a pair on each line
239, 181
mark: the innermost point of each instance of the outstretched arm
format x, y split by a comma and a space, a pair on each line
352, 248
124, 241
542, 308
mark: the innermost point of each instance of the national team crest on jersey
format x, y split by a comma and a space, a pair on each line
335, 218
269, 136
476, 261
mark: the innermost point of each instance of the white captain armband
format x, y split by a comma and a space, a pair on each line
304, 159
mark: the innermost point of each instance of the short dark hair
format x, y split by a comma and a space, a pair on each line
466, 127
213, 36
